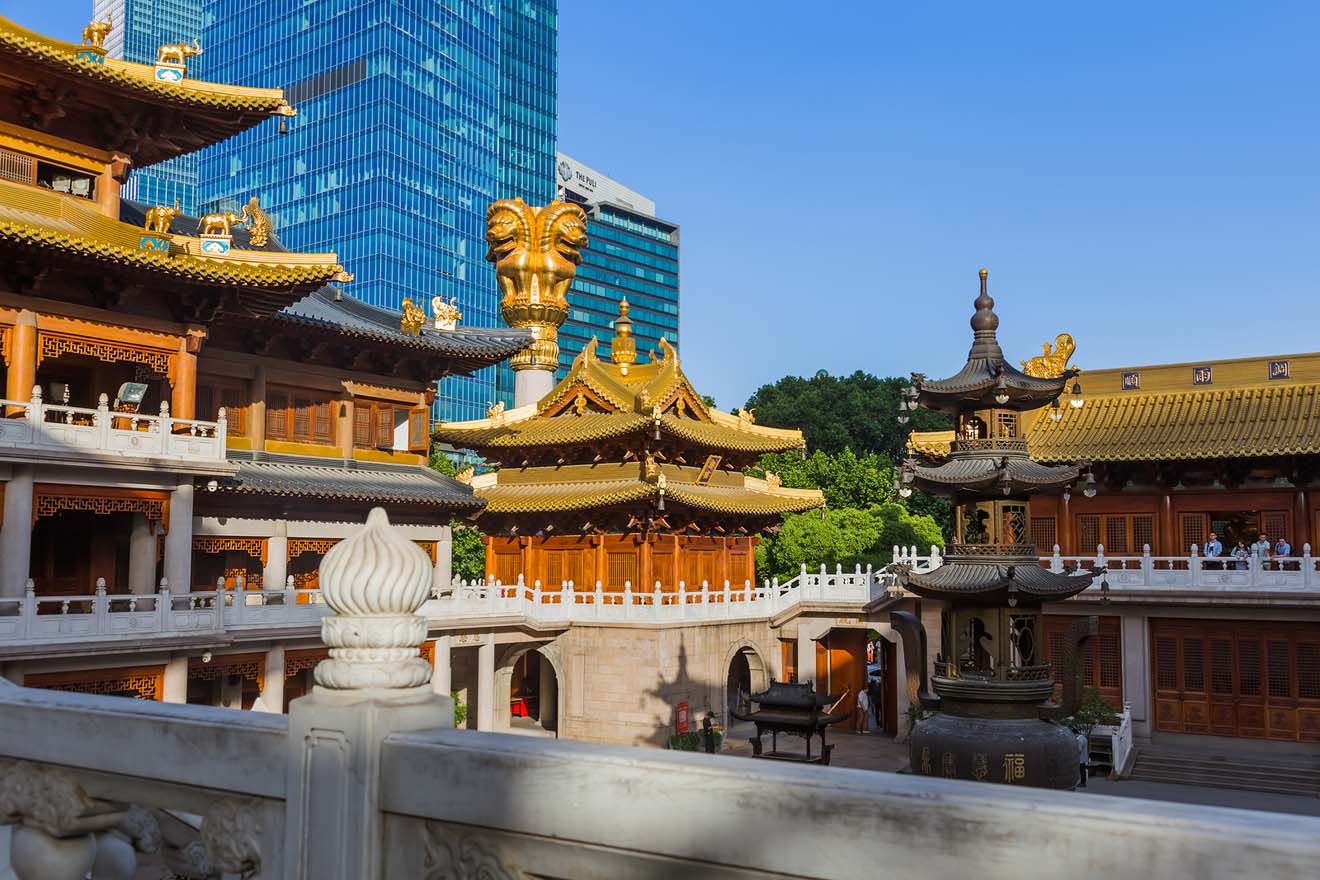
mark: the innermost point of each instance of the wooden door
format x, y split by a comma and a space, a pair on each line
1256, 679
1250, 696
1280, 688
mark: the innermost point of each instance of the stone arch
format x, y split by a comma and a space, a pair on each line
550, 712
744, 666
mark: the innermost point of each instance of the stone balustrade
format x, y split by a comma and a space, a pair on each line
43, 620
366, 780
45, 429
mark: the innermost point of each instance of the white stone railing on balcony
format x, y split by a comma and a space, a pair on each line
46, 427
1194, 572
364, 779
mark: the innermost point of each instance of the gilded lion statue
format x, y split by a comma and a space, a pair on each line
536, 251
1053, 360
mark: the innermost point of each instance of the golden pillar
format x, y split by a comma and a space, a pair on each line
536, 252
21, 360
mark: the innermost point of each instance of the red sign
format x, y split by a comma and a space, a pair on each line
682, 718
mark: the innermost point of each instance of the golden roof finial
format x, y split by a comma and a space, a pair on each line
623, 348
412, 319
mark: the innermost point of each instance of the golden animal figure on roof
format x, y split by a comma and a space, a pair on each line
95, 33
1052, 360
260, 223
177, 53
220, 222
495, 411
413, 318
445, 313
580, 404
746, 416
159, 218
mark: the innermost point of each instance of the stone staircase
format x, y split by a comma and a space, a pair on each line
1295, 774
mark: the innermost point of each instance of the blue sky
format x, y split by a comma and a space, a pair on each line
1142, 175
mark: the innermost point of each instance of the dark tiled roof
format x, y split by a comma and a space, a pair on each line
330, 309
991, 580
354, 318
342, 480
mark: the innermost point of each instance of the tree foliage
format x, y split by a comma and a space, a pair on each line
845, 536
846, 479
469, 551
834, 413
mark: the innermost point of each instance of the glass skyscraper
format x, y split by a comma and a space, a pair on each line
412, 117
141, 27
632, 254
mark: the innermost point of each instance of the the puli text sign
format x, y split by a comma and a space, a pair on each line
1202, 375
1279, 370
1132, 381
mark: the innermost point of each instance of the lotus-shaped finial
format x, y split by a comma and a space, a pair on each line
376, 571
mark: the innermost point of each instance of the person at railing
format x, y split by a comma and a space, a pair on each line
1213, 549
1263, 550
1282, 550
1240, 556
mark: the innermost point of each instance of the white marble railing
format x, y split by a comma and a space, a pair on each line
46, 427
37, 620
51, 619
386, 801
1198, 573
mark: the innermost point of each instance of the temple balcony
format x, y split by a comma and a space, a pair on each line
38, 431
1196, 577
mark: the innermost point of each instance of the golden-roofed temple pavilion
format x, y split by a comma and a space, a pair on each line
619, 473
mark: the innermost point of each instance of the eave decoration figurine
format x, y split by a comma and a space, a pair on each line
259, 225
157, 225
445, 313
414, 318
994, 713
172, 60
93, 40
215, 230
1051, 362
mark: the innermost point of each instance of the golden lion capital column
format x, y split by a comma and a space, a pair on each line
536, 252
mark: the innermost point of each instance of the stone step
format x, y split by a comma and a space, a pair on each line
1245, 773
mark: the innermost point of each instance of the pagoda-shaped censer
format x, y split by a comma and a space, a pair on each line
994, 714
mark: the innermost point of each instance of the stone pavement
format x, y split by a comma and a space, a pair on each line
880, 752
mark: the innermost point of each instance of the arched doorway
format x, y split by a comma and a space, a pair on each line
746, 674
527, 693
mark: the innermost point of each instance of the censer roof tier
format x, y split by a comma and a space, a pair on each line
987, 380
991, 581
990, 473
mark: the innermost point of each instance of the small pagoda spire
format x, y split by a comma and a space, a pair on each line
984, 324
623, 348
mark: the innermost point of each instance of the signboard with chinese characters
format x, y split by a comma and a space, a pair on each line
1202, 375
1132, 381
681, 718
1279, 370
708, 469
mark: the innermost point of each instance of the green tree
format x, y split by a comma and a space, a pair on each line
837, 412
469, 553
846, 479
845, 536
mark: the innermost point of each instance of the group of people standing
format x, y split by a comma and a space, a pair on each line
1242, 553
870, 703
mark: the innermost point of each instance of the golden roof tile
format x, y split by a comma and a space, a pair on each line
1227, 423
139, 79
754, 498
32, 218
930, 444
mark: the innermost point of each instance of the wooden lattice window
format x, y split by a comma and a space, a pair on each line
137, 682
362, 426
1308, 670
211, 395
738, 568
1166, 663
1006, 425
1221, 666
1274, 525
1143, 532
1014, 521
662, 567
507, 567
1277, 673
1116, 535
1109, 659
622, 568
1044, 534
1088, 532
1193, 665
17, 167
300, 417
561, 566
1249, 667
374, 423
1194, 528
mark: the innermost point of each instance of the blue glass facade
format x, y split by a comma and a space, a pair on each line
412, 118
142, 26
630, 255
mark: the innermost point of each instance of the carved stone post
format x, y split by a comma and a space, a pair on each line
373, 684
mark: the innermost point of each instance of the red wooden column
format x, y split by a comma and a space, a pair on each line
645, 570
22, 360
1301, 524
1168, 541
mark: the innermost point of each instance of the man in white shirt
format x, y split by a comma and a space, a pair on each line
863, 720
